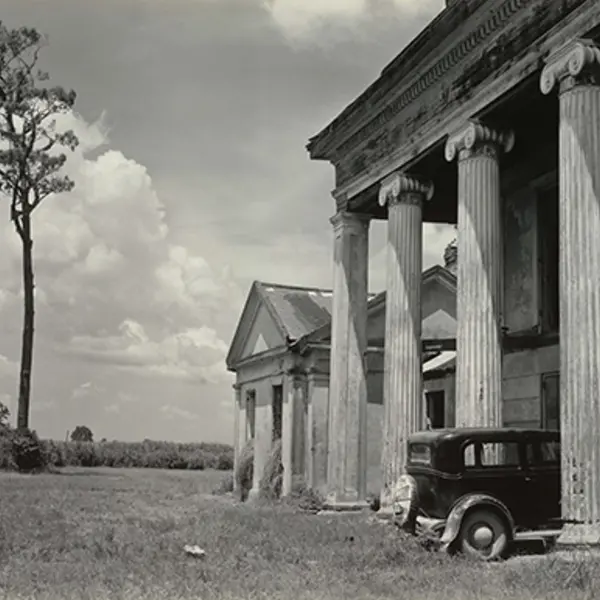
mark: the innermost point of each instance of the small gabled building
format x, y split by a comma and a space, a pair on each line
280, 354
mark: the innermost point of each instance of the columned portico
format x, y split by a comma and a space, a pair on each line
575, 71
480, 266
403, 380
347, 429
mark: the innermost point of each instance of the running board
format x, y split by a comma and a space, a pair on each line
540, 534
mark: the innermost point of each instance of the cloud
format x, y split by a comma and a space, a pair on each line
111, 286
8, 369
313, 20
192, 354
175, 412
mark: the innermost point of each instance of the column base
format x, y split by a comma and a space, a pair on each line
386, 512
333, 506
253, 495
579, 536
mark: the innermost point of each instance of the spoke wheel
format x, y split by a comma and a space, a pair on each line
483, 535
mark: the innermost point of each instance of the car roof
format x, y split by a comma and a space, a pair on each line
435, 436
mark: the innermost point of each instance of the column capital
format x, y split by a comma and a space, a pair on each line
399, 188
475, 137
577, 62
356, 222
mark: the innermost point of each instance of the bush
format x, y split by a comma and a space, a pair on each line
272, 477
304, 497
244, 471
27, 451
6, 458
146, 454
225, 486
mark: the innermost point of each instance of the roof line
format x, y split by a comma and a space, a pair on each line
272, 311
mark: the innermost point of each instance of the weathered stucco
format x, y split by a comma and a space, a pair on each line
520, 261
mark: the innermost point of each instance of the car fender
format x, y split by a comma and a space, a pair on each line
460, 509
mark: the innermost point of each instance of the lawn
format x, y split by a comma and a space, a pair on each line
112, 533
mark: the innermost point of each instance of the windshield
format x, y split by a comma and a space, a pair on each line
419, 454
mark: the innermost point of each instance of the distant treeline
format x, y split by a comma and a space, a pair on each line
146, 454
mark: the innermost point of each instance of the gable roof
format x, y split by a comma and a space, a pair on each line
376, 301
303, 314
295, 310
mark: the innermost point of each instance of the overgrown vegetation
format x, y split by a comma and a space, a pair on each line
146, 454
269, 487
244, 471
23, 450
106, 533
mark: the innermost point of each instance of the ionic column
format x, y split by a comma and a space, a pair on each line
347, 458
239, 429
402, 378
479, 270
575, 71
317, 431
292, 430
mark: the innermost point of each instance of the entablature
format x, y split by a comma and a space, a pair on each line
500, 45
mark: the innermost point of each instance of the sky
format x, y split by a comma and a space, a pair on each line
192, 180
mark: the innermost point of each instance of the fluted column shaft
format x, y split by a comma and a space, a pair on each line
347, 430
402, 378
576, 69
239, 428
479, 270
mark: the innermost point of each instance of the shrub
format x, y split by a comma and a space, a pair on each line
27, 451
304, 497
225, 486
146, 454
244, 471
6, 458
272, 476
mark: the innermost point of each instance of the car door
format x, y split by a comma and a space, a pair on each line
497, 468
544, 480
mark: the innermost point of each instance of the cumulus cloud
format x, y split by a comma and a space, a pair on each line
309, 20
175, 412
110, 285
193, 354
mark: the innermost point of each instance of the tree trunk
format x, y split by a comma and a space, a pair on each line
28, 322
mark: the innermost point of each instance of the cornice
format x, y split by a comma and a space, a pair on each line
516, 55
424, 77
358, 114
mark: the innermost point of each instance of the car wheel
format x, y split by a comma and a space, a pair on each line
483, 535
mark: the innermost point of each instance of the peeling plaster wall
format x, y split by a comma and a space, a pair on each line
522, 384
520, 261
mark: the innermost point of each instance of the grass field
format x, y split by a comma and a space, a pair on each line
111, 533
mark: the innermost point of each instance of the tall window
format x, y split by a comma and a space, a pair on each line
277, 411
551, 401
548, 231
250, 413
435, 408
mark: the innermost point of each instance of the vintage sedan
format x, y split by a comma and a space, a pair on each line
481, 489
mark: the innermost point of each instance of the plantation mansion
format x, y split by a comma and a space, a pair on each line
489, 119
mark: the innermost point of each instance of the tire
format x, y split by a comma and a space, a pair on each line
483, 535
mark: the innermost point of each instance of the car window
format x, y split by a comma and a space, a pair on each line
491, 454
419, 454
550, 452
469, 455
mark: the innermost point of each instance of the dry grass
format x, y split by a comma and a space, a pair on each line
107, 533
